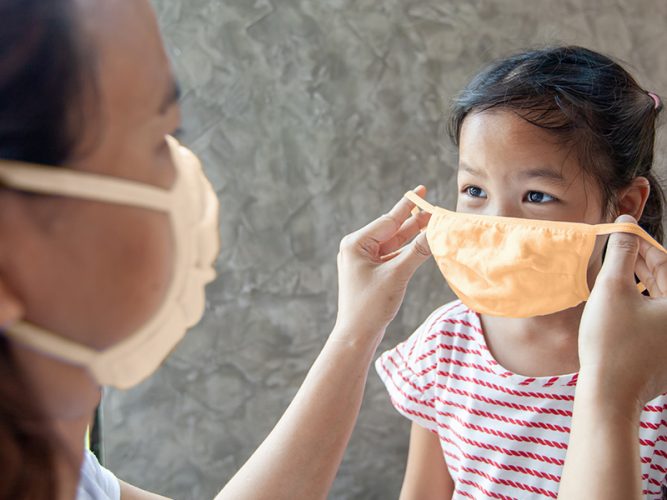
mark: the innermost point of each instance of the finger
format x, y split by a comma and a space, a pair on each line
621, 256
384, 228
656, 263
646, 277
413, 256
408, 230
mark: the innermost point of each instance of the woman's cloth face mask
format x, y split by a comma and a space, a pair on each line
505, 266
192, 207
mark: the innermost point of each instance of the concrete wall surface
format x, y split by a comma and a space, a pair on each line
312, 118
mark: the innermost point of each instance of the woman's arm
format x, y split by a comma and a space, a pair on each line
622, 353
603, 455
300, 457
426, 474
129, 492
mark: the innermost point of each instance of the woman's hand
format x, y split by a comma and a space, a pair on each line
374, 269
300, 457
623, 334
623, 358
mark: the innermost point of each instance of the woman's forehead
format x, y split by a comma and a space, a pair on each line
133, 68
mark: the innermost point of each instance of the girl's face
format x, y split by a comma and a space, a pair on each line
509, 167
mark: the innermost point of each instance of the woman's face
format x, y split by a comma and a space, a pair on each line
95, 272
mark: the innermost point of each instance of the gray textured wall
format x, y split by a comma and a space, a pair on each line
313, 117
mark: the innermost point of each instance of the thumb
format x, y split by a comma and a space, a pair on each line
409, 260
621, 256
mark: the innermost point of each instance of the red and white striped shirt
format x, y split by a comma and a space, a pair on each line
503, 435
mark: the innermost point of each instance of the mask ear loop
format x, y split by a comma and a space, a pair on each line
628, 227
419, 202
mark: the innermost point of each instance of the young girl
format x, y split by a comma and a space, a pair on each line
561, 134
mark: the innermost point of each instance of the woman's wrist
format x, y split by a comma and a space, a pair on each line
597, 393
356, 336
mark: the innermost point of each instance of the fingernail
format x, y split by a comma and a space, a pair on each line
626, 218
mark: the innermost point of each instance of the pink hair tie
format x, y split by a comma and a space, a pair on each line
656, 100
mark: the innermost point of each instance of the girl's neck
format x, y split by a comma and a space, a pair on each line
538, 346
564, 324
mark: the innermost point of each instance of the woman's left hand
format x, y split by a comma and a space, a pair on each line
623, 334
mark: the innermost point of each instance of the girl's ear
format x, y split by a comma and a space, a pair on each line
632, 199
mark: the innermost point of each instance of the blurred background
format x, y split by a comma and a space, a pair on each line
312, 118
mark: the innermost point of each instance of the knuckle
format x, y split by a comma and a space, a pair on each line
389, 218
422, 249
626, 243
346, 243
401, 240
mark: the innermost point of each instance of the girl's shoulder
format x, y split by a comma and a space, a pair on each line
452, 326
452, 317
412, 370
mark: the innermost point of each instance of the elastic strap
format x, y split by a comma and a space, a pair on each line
82, 185
47, 343
628, 227
420, 202
88, 186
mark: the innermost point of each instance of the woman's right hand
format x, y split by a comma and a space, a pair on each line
374, 268
623, 334
300, 457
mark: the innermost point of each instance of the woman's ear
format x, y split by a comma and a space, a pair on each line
632, 199
11, 308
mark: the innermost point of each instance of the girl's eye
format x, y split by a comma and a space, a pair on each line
538, 197
475, 192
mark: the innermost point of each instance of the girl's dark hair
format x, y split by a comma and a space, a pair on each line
586, 100
43, 78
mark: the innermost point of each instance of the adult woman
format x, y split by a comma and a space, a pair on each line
86, 83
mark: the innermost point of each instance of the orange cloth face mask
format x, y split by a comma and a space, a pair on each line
505, 266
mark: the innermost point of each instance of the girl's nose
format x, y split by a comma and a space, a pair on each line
503, 208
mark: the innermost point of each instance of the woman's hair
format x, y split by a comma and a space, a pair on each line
589, 103
43, 78
45, 73
27, 444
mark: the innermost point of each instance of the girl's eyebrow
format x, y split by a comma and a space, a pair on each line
467, 168
544, 173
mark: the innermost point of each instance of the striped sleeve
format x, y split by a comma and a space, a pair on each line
409, 373
653, 448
